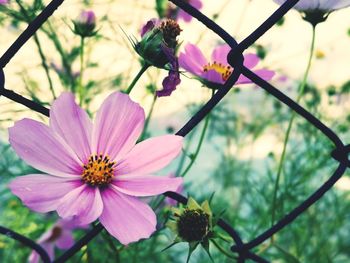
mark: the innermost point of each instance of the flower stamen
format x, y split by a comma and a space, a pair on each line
98, 171
224, 70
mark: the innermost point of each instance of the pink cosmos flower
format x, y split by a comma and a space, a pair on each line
95, 171
217, 70
321, 5
60, 235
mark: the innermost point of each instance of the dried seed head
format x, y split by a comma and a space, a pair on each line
193, 225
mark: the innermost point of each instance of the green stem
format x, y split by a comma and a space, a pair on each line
80, 87
184, 153
222, 250
112, 246
148, 118
290, 124
201, 139
41, 53
137, 77
44, 64
224, 237
64, 57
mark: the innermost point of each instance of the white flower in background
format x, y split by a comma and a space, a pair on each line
317, 11
321, 5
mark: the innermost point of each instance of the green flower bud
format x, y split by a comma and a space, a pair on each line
155, 36
85, 24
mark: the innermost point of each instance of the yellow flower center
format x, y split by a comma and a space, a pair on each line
224, 70
98, 171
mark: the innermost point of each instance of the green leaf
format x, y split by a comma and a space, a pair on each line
191, 247
205, 244
172, 244
192, 204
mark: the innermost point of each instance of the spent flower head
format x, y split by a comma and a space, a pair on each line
155, 35
85, 24
192, 224
158, 47
95, 170
213, 73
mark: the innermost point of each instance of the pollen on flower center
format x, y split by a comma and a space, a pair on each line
224, 70
98, 171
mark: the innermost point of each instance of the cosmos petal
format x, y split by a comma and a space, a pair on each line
66, 240
213, 76
73, 124
146, 185
40, 192
151, 155
83, 204
125, 217
43, 149
220, 53
118, 125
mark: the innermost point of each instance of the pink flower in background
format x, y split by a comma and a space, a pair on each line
4, 2
185, 16
217, 70
85, 23
322, 5
87, 17
95, 170
59, 235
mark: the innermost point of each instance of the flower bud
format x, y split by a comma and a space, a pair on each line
155, 35
85, 24
193, 223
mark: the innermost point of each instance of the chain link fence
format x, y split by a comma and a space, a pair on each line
242, 248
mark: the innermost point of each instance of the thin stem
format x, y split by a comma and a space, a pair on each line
144, 133
112, 246
201, 139
40, 50
184, 153
290, 124
137, 77
65, 63
44, 64
222, 250
29, 31
81, 87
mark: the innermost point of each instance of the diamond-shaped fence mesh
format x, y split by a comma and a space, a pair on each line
235, 58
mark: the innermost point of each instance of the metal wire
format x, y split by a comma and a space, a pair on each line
235, 59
